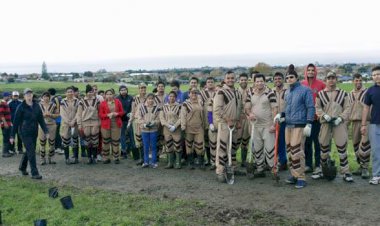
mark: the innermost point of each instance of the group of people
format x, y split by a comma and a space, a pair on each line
206, 126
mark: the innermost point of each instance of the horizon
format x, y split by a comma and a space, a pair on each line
177, 62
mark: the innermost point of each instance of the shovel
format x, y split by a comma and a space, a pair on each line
250, 165
275, 160
229, 172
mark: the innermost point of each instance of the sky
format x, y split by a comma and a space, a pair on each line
78, 35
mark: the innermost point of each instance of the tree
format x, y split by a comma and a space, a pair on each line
263, 68
44, 73
88, 74
75, 75
216, 73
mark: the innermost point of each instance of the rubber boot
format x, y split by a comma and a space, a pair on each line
170, 160
208, 155
135, 153
201, 162
76, 155
141, 154
178, 158
190, 161
67, 155
243, 157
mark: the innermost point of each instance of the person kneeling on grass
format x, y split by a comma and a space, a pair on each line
148, 118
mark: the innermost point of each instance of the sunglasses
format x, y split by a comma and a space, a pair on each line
290, 77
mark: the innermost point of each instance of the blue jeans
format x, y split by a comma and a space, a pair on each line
123, 138
281, 145
316, 127
150, 143
374, 139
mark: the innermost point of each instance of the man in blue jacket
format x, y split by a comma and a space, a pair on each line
299, 116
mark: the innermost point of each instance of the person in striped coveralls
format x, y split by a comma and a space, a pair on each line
333, 109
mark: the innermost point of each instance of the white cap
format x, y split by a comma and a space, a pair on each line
15, 93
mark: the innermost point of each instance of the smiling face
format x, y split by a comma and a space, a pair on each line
278, 81
243, 82
193, 83
210, 84
172, 98
259, 83
109, 96
331, 81
310, 72
69, 93
46, 98
142, 90
150, 100
229, 79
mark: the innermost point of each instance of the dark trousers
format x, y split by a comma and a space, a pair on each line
127, 140
281, 145
316, 127
6, 137
29, 155
19, 143
58, 139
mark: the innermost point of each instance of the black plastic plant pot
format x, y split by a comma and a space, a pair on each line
40, 222
67, 202
53, 192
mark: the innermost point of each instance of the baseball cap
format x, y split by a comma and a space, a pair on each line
15, 93
331, 74
6, 94
28, 90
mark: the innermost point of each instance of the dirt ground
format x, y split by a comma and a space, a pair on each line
320, 203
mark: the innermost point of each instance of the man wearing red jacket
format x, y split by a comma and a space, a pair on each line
315, 85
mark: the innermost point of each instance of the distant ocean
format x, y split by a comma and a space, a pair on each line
151, 63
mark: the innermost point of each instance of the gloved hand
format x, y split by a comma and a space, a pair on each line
212, 127
327, 117
129, 115
145, 126
172, 128
338, 121
307, 130
278, 118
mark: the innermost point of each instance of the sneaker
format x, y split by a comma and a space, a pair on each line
375, 180
300, 184
59, 151
365, 174
145, 165
291, 180
154, 166
308, 169
99, 158
348, 177
317, 170
37, 177
317, 176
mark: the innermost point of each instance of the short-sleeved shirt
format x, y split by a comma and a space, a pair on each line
372, 98
261, 105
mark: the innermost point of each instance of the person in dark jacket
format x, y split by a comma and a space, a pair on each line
126, 133
28, 117
299, 116
13, 104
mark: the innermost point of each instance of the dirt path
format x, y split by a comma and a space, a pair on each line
321, 202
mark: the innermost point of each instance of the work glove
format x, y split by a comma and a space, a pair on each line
338, 121
307, 130
145, 126
327, 117
212, 127
278, 118
172, 128
129, 115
